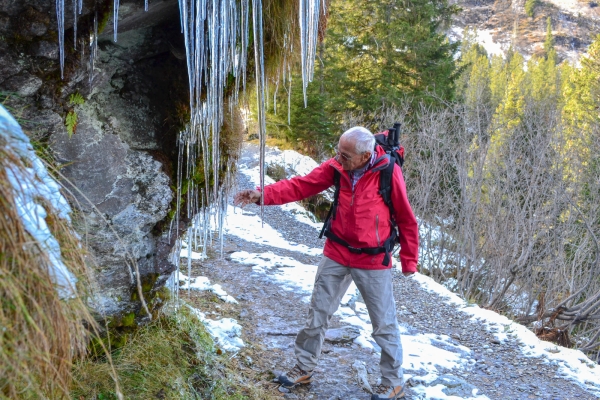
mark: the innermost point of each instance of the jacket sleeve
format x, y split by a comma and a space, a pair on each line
407, 223
300, 187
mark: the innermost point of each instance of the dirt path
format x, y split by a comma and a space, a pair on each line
272, 310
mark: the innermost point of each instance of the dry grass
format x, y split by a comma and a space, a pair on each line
41, 333
173, 357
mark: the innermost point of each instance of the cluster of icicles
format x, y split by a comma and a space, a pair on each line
216, 34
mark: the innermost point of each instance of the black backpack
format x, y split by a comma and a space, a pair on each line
390, 141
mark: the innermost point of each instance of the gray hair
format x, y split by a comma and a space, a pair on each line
365, 141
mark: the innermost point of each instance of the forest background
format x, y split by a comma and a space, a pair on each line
502, 153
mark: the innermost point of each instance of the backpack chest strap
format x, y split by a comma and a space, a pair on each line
387, 247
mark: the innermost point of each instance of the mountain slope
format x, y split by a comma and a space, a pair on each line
574, 24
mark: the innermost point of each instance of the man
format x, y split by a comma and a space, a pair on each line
362, 220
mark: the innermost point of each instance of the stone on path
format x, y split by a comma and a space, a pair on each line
454, 386
361, 375
345, 334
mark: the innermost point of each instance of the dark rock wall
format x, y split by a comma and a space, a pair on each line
121, 156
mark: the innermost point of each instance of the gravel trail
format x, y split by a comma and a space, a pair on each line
271, 314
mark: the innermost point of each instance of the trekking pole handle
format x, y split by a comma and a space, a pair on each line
396, 128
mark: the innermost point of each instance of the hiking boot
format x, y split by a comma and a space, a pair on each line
382, 392
295, 376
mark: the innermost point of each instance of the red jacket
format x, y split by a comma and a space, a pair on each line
362, 219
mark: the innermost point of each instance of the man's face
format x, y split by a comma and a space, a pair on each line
347, 156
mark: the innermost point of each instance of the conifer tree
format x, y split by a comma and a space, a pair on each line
376, 54
474, 82
549, 42
529, 7
391, 49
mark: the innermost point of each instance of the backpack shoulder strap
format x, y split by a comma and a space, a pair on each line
385, 186
333, 208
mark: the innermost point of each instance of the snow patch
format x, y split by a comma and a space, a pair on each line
290, 273
572, 364
34, 189
248, 226
202, 283
226, 332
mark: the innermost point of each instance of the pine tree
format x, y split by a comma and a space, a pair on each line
375, 54
390, 50
474, 82
529, 7
549, 42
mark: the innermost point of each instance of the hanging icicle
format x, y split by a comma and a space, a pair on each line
115, 19
60, 17
75, 4
309, 31
260, 90
93, 48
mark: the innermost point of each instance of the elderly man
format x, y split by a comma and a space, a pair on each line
362, 221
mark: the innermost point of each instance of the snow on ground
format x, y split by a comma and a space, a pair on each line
426, 349
289, 273
424, 354
187, 252
34, 190
226, 331
248, 226
576, 7
484, 38
203, 283
573, 364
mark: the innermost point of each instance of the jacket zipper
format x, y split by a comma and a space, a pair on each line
377, 230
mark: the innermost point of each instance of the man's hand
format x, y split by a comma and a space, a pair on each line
408, 273
246, 197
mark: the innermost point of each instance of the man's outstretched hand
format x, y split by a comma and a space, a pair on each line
408, 273
245, 197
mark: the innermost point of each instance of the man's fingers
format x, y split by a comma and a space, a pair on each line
244, 198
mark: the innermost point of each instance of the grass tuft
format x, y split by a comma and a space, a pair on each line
40, 333
172, 357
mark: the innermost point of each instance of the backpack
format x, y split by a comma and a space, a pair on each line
389, 141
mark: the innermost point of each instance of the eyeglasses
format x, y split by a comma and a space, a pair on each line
344, 156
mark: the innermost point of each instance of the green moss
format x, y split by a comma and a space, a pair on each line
128, 320
148, 282
171, 358
104, 14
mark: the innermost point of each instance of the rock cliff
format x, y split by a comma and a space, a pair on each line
110, 126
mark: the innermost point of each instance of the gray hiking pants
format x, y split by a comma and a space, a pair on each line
375, 286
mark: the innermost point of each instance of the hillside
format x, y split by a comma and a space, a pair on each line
501, 23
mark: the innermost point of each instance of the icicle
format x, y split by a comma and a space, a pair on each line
115, 19
93, 48
289, 92
75, 24
146, 6
260, 90
189, 258
216, 37
275, 94
309, 30
60, 17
